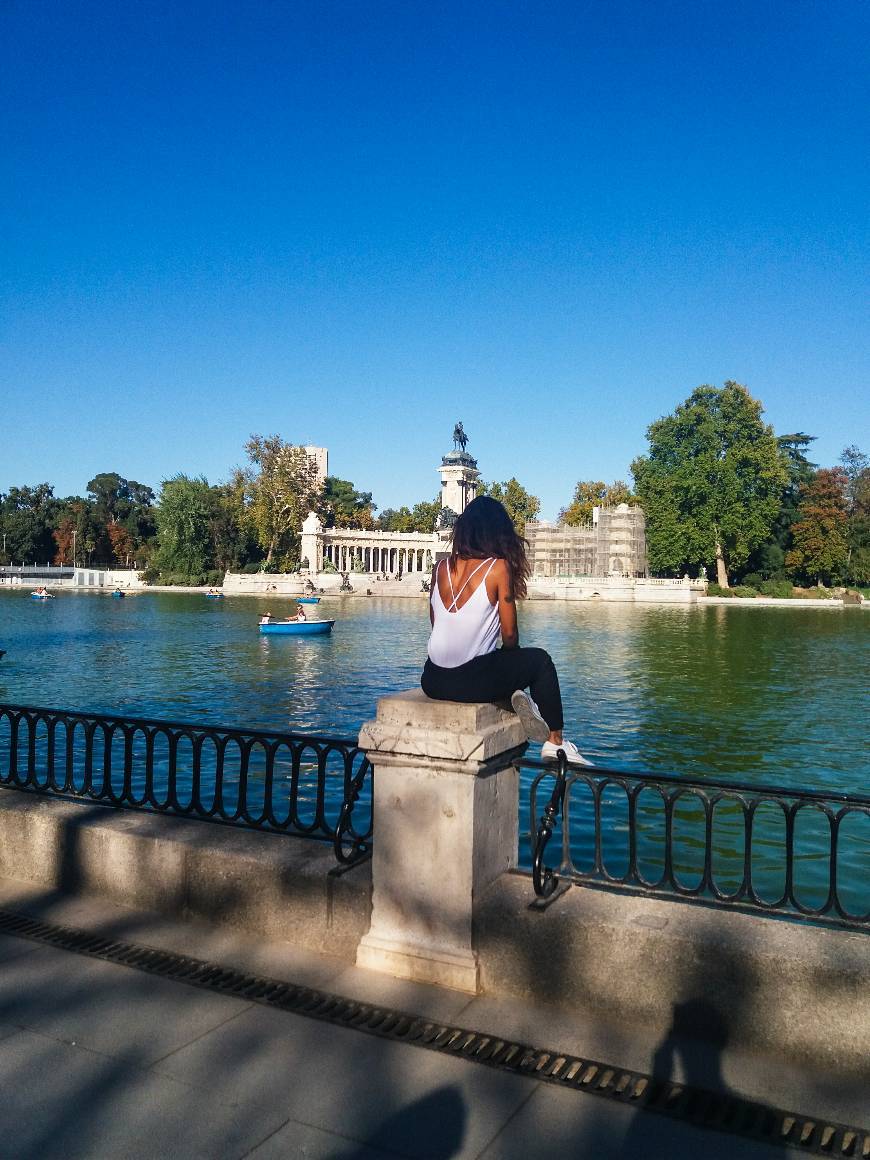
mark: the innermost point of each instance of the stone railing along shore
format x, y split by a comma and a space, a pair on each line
439, 901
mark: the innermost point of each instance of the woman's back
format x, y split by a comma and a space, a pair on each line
465, 621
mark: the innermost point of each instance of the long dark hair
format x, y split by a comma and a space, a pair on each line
485, 529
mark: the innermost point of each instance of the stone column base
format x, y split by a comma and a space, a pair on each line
458, 970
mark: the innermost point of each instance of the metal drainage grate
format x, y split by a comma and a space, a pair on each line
722, 1112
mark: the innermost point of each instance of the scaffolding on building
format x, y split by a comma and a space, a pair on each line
612, 543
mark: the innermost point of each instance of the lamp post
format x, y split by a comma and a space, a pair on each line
74, 547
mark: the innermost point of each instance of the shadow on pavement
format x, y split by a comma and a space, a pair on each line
438, 1118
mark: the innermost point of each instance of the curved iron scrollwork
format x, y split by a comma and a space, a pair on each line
796, 853
360, 844
544, 879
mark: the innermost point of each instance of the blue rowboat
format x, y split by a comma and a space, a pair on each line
297, 627
214, 595
307, 599
41, 596
118, 595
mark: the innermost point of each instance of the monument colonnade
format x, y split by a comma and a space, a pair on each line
374, 552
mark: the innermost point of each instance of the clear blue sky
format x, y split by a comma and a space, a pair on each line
354, 222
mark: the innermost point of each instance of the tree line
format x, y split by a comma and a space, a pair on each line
720, 490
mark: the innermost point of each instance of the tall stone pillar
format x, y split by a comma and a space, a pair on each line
311, 545
446, 790
459, 480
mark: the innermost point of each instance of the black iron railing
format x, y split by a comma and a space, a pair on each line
284, 783
797, 853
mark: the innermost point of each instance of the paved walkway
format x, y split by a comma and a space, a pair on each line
100, 1060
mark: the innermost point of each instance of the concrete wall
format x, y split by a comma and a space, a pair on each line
263, 883
292, 584
615, 588
106, 578
794, 991
762, 984
607, 588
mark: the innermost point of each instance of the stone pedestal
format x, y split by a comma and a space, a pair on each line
445, 808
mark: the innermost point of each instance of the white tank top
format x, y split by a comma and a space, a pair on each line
460, 634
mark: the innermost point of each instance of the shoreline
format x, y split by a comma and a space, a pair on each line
394, 592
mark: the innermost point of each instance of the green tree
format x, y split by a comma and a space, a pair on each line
109, 493
404, 519
857, 468
230, 534
280, 493
184, 541
859, 531
27, 518
521, 505
821, 547
76, 526
395, 519
424, 514
120, 503
594, 493
712, 482
768, 559
345, 507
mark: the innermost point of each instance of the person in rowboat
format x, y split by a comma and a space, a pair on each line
472, 605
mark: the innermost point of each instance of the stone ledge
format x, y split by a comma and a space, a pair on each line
773, 986
263, 883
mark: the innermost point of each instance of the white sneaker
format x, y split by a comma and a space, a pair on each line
550, 751
529, 714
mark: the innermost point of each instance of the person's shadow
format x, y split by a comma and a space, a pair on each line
697, 1037
437, 1119
693, 1046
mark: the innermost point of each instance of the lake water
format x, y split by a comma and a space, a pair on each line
774, 695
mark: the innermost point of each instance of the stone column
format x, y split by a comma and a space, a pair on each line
311, 546
445, 805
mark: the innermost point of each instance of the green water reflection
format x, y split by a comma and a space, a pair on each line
775, 696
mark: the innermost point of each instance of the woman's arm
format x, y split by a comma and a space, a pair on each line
432, 584
507, 608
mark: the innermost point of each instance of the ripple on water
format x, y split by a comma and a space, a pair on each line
776, 696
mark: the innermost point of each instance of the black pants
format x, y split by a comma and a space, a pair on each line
494, 676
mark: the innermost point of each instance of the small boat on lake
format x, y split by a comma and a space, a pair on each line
118, 594
43, 595
213, 595
297, 627
307, 599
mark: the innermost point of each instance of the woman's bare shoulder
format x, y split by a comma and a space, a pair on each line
500, 573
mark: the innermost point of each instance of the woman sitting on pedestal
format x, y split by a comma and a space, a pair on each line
472, 604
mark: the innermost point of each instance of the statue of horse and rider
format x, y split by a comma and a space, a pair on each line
460, 439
